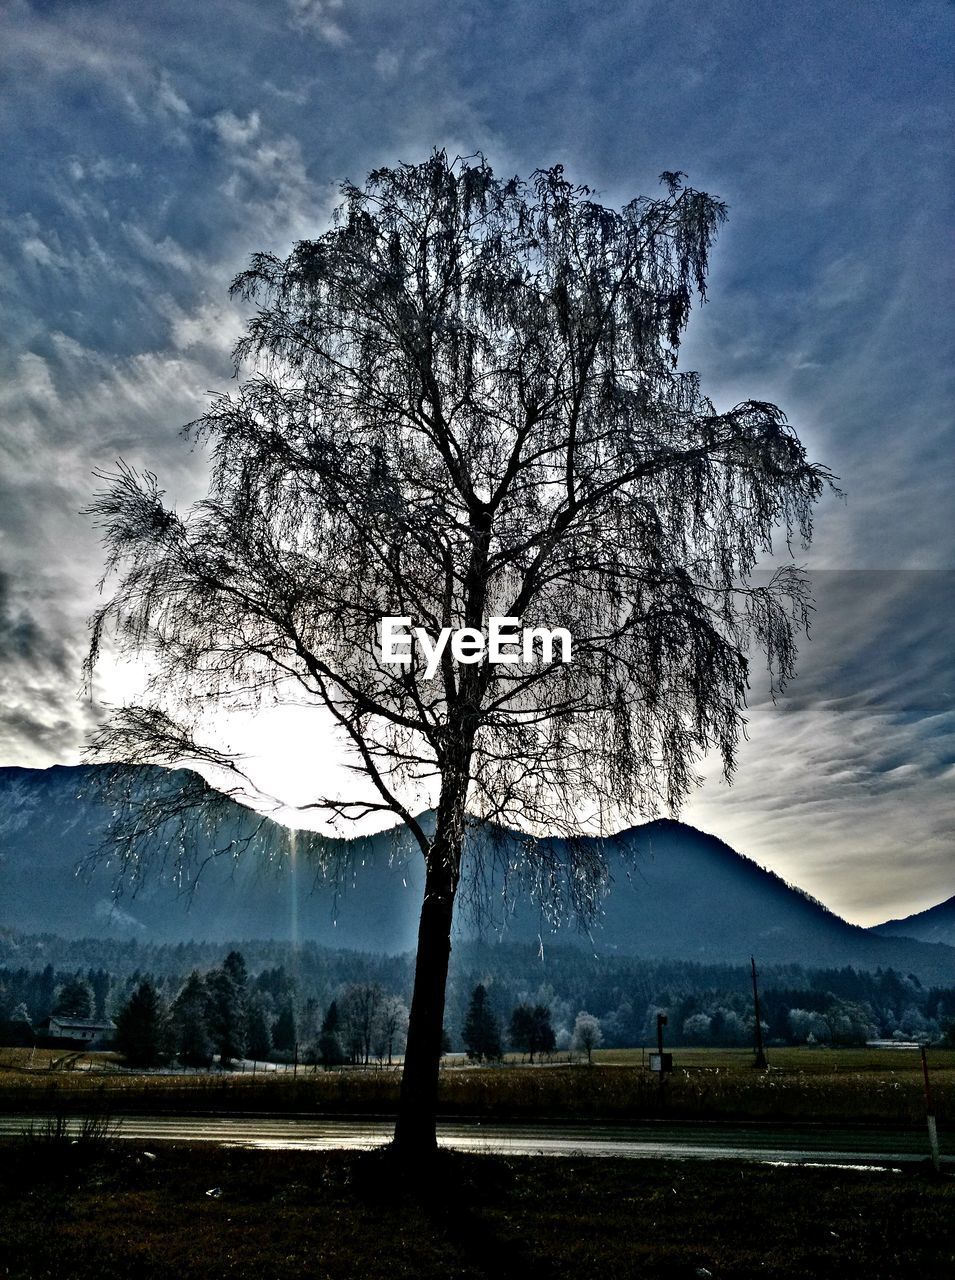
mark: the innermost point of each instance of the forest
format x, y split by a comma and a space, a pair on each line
269, 1000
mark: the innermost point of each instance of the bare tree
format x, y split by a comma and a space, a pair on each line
587, 1035
360, 1009
462, 402
392, 1026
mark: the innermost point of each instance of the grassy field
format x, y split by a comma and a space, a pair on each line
99, 1207
805, 1058
183, 1213
846, 1085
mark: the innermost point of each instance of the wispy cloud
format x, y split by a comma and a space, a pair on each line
846, 781
322, 18
149, 151
22, 640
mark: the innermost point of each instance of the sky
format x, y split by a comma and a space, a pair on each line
149, 150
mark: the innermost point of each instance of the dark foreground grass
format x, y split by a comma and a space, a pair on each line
74, 1214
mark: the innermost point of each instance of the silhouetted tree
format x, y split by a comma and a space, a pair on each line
463, 403
359, 1009
100, 984
284, 1030
226, 1016
531, 1031
520, 1029
235, 966
189, 1019
258, 1030
16, 1027
481, 1032
45, 992
142, 1031
391, 1027
74, 1000
543, 1038
330, 1051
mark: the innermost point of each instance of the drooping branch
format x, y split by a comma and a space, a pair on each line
463, 401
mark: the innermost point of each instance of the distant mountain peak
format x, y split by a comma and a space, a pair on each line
935, 924
676, 892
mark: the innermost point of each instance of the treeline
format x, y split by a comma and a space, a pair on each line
288, 993
705, 1004
225, 1015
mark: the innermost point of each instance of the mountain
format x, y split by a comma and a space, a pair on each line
263, 883
676, 892
936, 924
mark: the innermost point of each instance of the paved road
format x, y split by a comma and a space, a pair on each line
806, 1144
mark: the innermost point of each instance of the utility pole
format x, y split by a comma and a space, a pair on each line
760, 1062
930, 1115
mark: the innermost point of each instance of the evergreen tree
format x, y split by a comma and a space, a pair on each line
100, 984
16, 1026
259, 1043
543, 1038
142, 1032
330, 1051
284, 1029
73, 1000
308, 1020
235, 966
481, 1031
42, 1004
520, 1028
227, 1020
190, 1023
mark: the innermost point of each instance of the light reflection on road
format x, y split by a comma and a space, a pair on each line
809, 1145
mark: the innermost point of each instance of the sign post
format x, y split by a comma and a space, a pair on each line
661, 1062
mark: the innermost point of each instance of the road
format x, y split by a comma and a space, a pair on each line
804, 1144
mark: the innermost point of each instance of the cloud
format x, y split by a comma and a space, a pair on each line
319, 17
387, 64
34, 740
59, 47
41, 718
235, 132
845, 783
37, 251
148, 151
208, 327
22, 639
170, 101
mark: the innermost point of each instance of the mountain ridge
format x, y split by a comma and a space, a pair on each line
934, 924
676, 892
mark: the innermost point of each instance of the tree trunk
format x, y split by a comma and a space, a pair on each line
415, 1132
